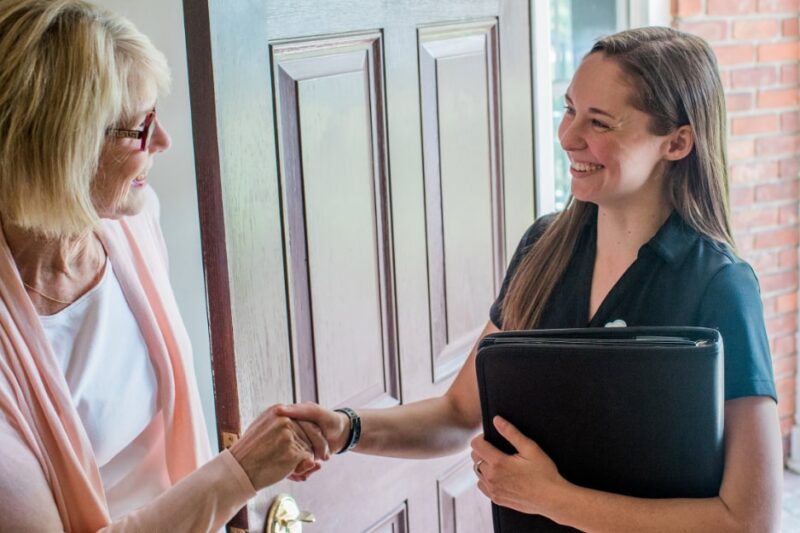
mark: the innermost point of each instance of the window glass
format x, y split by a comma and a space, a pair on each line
574, 27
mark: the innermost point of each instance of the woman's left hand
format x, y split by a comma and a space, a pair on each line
525, 481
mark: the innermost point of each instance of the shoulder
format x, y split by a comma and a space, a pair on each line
721, 267
731, 303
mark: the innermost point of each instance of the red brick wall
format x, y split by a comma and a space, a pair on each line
756, 42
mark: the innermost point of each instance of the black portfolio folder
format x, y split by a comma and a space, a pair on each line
634, 411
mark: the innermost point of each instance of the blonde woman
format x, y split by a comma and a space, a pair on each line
100, 419
644, 241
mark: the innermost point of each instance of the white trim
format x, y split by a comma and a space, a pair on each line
543, 165
648, 13
625, 10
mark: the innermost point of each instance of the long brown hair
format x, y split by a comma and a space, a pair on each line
676, 82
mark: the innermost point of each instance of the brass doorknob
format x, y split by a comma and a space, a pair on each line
285, 516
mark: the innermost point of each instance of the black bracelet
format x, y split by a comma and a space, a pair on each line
355, 429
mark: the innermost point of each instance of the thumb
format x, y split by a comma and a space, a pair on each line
299, 411
522, 443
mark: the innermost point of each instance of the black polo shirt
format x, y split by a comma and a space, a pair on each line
680, 278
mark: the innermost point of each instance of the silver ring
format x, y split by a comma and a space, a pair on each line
477, 467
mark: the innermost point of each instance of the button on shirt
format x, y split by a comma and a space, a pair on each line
680, 278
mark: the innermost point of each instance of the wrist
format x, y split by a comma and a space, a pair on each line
557, 498
351, 431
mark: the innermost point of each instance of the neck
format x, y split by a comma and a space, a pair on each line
622, 231
61, 268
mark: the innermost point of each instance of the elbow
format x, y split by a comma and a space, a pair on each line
759, 520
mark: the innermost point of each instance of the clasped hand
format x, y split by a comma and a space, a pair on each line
526, 481
289, 441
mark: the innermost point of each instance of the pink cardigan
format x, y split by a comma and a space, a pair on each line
49, 478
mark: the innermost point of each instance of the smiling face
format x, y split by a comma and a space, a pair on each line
614, 157
118, 186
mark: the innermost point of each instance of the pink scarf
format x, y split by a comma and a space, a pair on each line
33, 391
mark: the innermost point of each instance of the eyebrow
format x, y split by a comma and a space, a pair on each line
593, 109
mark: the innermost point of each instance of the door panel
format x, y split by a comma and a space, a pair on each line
332, 155
396, 522
459, 83
462, 507
363, 168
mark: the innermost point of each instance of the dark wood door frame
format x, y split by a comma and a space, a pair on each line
212, 225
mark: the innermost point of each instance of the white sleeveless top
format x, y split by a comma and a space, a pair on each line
103, 355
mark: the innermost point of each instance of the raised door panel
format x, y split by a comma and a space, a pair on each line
337, 221
462, 507
395, 522
459, 82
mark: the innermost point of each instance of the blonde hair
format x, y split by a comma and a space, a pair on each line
68, 71
676, 82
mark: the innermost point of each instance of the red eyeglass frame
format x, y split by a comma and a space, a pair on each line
145, 134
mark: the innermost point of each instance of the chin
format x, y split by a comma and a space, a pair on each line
132, 206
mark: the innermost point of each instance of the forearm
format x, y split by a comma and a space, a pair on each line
596, 511
424, 429
203, 501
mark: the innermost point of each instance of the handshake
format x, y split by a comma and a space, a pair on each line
290, 441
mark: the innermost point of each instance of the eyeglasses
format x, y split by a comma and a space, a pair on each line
145, 134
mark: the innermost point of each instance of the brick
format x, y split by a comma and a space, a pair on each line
725, 79
788, 214
778, 52
754, 77
756, 218
790, 27
790, 121
777, 98
785, 366
782, 145
787, 423
687, 8
730, 7
716, 30
734, 54
756, 29
739, 149
786, 345
787, 403
789, 74
780, 281
788, 258
787, 302
776, 238
777, 6
744, 244
755, 124
738, 102
742, 196
786, 386
777, 191
765, 262
789, 168
754, 172
782, 324
768, 303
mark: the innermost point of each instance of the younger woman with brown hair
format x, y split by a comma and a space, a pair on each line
644, 241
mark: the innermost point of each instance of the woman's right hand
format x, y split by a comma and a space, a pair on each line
273, 447
335, 426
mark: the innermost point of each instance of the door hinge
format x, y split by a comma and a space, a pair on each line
228, 440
